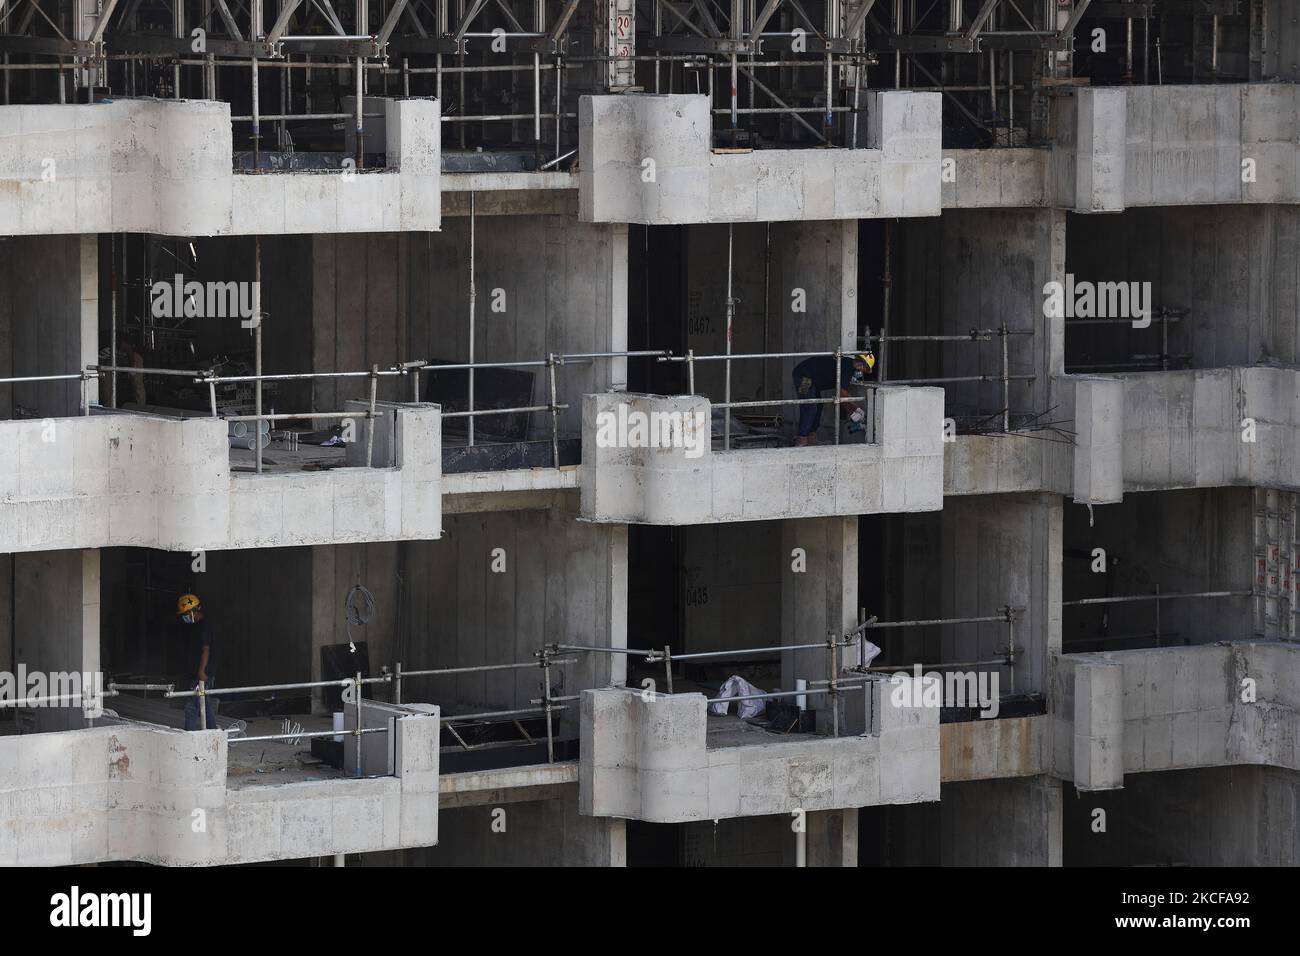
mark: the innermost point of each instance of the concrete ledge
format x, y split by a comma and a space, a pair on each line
693, 484
646, 158
1186, 429
127, 479
165, 167
647, 759
139, 793
1177, 708
994, 749
1006, 464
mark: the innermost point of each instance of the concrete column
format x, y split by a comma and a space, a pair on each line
49, 312
833, 837
1013, 822
617, 338
616, 605
820, 598
56, 624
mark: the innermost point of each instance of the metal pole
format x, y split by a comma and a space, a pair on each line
690, 371
257, 127
370, 432
397, 683
1011, 648
472, 296
1006, 382
668, 667
112, 318
360, 121
356, 731
838, 388
203, 706
257, 346
555, 411
731, 314
537, 105
833, 677
546, 700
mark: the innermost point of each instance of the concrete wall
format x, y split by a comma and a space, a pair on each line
126, 479
128, 793
1183, 707
562, 581
685, 181
1007, 464
1236, 268
540, 832
563, 287
55, 626
977, 556
164, 166
1001, 823
1187, 144
977, 270
49, 310
647, 759
1185, 429
1180, 542
1223, 816
693, 484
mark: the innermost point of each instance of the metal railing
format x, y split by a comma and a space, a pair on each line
883, 340
1165, 316
552, 362
690, 358
201, 692
1155, 598
554, 655
84, 377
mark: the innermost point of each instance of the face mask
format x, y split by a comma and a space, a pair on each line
187, 618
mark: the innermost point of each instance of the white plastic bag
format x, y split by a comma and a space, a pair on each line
739, 687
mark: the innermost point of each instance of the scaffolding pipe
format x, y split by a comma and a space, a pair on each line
257, 341
472, 297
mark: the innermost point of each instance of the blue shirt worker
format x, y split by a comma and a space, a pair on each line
198, 633
815, 375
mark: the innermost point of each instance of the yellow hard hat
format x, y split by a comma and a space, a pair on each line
869, 358
187, 603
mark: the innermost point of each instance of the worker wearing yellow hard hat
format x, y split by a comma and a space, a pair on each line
199, 656
815, 375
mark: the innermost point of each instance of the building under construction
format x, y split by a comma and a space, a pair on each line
455, 355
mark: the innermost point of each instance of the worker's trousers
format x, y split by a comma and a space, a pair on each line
192, 708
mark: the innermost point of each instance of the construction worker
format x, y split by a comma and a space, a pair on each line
198, 632
815, 375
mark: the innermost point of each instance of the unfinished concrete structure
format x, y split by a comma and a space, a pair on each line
445, 349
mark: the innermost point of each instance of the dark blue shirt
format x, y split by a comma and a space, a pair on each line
200, 634
821, 369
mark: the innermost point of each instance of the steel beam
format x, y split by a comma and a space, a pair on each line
768, 10
981, 19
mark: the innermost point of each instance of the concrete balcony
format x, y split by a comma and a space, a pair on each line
688, 482
664, 760
647, 159
1176, 145
1175, 708
1195, 428
141, 793
164, 167
131, 479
